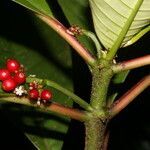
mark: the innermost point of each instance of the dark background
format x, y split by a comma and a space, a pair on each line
130, 130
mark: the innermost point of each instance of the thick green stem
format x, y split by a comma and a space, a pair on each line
95, 132
101, 79
95, 127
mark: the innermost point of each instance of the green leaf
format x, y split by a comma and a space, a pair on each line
72, 9
40, 6
110, 17
36, 46
77, 13
120, 77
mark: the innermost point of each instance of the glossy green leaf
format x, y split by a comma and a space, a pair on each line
36, 46
39, 6
110, 17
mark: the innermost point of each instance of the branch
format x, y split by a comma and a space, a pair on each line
106, 140
131, 64
130, 95
74, 97
53, 107
62, 31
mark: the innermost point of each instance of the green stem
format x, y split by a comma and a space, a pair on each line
101, 80
95, 132
95, 40
117, 44
74, 97
138, 36
96, 126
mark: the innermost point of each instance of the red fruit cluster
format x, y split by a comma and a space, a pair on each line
36, 93
12, 75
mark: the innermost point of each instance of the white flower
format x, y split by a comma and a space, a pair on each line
19, 91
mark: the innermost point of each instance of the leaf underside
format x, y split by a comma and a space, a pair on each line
109, 17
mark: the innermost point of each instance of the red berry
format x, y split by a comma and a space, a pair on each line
9, 85
4, 74
20, 78
34, 94
12, 65
46, 95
